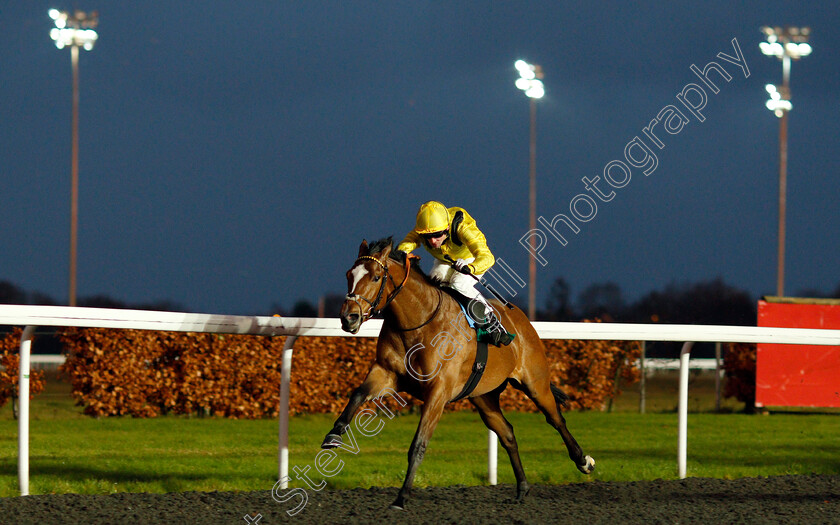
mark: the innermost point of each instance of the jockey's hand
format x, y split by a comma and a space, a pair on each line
463, 266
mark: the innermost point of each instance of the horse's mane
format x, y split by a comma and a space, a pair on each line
396, 255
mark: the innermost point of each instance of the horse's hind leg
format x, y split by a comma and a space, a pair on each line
376, 381
491, 413
548, 399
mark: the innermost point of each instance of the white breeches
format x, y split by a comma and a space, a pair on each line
464, 284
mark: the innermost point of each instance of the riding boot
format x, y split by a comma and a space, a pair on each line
490, 326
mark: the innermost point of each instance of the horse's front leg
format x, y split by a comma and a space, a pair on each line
429, 418
333, 438
376, 381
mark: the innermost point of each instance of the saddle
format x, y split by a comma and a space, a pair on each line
490, 330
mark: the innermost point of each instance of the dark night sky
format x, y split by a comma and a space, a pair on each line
233, 155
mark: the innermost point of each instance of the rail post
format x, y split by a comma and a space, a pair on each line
492, 457
283, 438
682, 433
23, 412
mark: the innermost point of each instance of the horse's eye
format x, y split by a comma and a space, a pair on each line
376, 278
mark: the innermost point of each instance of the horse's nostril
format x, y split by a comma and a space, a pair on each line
353, 318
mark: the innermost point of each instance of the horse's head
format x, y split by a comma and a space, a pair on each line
366, 283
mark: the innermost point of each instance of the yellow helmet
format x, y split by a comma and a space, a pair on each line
432, 217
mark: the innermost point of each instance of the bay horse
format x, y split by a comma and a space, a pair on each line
427, 349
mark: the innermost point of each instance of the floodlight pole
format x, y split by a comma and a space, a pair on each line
74, 175
75, 30
532, 221
530, 81
786, 44
783, 132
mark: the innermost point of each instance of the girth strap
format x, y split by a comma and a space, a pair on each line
477, 371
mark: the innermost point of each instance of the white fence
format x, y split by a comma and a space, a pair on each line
651, 363
33, 316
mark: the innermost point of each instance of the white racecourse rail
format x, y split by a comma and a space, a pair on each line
34, 316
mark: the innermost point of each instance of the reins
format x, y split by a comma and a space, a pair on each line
429, 320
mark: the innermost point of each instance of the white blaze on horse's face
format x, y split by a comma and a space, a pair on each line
357, 273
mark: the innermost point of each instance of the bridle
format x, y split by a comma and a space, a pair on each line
374, 308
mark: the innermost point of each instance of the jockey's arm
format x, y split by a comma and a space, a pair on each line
477, 243
410, 243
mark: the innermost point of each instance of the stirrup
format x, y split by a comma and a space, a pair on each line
491, 330
502, 337
499, 337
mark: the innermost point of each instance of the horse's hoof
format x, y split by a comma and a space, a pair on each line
588, 465
521, 491
399, 503
331, 441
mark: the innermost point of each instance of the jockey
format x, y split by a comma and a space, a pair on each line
459, 248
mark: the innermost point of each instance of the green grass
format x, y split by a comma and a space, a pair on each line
70, 452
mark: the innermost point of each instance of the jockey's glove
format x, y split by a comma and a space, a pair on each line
462, 266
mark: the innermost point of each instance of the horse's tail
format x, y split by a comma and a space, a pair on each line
559, 396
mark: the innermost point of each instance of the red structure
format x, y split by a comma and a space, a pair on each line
798, 375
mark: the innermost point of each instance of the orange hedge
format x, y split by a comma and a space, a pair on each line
10, 370
739, 364
144, 374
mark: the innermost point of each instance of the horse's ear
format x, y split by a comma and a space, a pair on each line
386, 251
363, 248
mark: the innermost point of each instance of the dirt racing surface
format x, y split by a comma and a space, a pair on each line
784, 499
